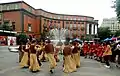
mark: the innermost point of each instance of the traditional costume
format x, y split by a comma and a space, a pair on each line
20, 53
39, 52
34, 66
24, 61
107, 53
85, 49
75, 55
92, 50
56, 54
49, 50
100, 52
69, 64
44, 57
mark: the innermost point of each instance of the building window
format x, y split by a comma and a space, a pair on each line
82, 22
51, 17
74, 18
66, 18
71, 22
8, 7
78, 18
6, 23
82, 18
4, 7
16, 6
30, 9
13, 26
0, 16
78, 22
12, 6
67, 22
78, 26
58, 17
74, 22
44, 19
71, 26
54, 21
0, 7
29, 28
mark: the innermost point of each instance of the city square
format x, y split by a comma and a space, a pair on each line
73, 38
9, 67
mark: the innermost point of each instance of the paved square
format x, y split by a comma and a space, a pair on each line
9, 67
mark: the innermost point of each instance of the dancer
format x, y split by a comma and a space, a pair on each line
85, 49
107, 54
49, 50
56, 53
20, 52
24, 61
34, 66
75, 55
39, 52
100, 52
69, 65
43, 55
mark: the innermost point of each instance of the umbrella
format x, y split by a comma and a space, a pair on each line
107, 39
113, 38
77, 40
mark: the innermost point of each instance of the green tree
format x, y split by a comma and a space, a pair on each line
45, 33
22, 38
117, 33
116, 5
104, 32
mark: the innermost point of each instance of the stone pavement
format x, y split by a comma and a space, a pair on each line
9, 67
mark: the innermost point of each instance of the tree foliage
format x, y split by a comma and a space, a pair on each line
22, 38
117, 33
117, 8
104, 32
45, 33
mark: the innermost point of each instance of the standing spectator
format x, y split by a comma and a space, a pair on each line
118, 52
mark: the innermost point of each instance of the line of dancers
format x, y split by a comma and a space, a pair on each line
98, 51
31, 55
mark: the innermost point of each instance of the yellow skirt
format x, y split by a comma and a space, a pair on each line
79, 57
76, 58
52, 61
69, 65
46, 57
34, 66
41, 56
24, 61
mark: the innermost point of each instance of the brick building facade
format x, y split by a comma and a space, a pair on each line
25, 18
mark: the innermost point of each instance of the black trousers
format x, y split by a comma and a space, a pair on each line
39, 61
107, 59
113, 56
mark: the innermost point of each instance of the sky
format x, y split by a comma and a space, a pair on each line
98, 9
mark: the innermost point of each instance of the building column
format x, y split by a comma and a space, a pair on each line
87, 28
96, 28
92, 29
